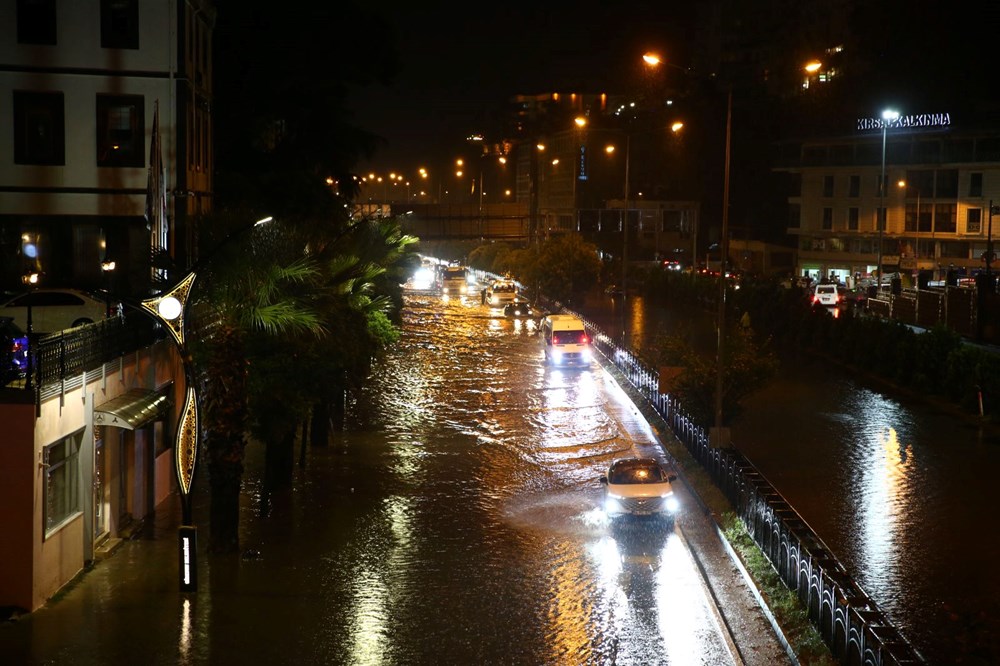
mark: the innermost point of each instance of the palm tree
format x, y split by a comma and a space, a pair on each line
247, 289
287, 319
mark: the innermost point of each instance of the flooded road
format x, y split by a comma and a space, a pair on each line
903, 492
458, 520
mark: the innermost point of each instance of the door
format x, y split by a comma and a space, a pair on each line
99, 503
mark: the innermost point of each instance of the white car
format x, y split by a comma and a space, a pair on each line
639, 487
53, 309
826, 294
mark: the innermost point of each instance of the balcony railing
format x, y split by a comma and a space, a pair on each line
70, 353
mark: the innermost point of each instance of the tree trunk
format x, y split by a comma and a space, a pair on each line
339, 409
225, 477
303, 440
320, 431
279, 461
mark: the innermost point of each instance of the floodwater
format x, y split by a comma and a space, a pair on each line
902, 491
457, 521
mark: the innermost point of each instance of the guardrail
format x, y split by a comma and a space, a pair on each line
857, 632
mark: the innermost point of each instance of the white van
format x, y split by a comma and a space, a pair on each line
565, 340
500, 293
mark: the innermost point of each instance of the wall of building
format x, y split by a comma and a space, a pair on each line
48, 561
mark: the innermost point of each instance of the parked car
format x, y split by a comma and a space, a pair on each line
13, 351
639, 487
53, 309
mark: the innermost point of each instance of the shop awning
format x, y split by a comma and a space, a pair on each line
132, 410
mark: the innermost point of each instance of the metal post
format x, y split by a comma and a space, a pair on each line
989, 239
628, 148
879, 220
29, 382
721, 439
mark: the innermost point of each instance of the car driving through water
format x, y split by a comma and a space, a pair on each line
639, 487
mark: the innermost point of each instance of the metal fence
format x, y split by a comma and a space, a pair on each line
857, 632
59, 357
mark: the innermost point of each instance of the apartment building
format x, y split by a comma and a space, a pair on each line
940, 179
92, 92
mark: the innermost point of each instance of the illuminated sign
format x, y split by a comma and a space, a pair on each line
583, 164
187, 558
919, 120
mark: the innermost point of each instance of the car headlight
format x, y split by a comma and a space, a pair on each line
556, 355
585, 354
612, 504
672, 504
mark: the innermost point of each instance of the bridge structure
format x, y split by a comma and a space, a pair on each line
501, 221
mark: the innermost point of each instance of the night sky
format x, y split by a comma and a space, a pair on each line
459, 65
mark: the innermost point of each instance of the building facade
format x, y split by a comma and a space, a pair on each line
86, 458
940, 180
93, 92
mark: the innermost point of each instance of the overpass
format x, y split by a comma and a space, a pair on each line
500, 221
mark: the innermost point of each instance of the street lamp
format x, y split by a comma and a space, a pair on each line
170, 310
887, 116
107, 267
721, 436
30, 280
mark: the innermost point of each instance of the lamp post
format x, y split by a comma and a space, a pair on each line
880, 217
721, 436
108, 268
170, 310
30, 279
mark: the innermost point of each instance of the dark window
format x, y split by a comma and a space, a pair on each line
39, 132
828, 218
944, 218
120, 130
880, 224
794, 216
975, 184
880, 182
814, 156
987, 150
854, 187
974, 221
852, 219
36, 21
120, 24
947, 184
919, 183
927, 151
842, 155
62, 488
958, 150
827, 186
